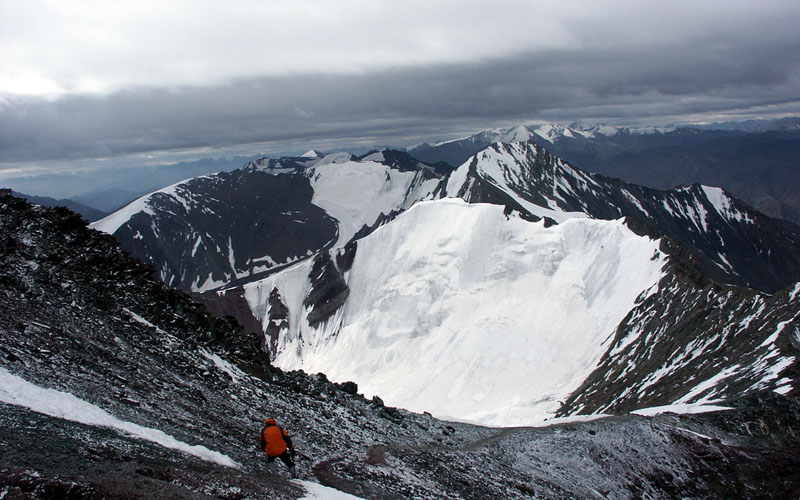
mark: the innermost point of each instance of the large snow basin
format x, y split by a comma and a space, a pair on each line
464, 312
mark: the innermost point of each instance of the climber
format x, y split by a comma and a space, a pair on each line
276, 443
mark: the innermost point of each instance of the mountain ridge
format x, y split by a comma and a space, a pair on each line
83, 321
755, 164
318, 301
544, 185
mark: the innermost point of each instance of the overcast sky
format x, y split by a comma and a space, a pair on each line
89, 79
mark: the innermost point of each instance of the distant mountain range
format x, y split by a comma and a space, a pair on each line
89, 213
756, 161
785, 124
111, 187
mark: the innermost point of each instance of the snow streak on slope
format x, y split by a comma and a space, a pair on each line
177, 192
17, 391
316, 491
458, 310
722, 203
293, 285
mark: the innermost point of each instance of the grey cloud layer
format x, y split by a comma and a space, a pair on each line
620, 85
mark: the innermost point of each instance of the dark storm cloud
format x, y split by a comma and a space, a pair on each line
612, 84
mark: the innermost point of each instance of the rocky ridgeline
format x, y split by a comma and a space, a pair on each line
732, 242
690, 344
79, 316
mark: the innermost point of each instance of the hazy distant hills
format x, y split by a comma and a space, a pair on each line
109, 188
781, 124
88, 213
755, 160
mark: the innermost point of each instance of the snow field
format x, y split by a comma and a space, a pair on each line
682, 409
457, 310
356, 192
293, 286
112, 222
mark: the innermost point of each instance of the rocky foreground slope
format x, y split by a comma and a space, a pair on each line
114, 386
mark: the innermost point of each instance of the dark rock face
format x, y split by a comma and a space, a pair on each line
234, 227
759, 168
454, 153
228, 226
231, 305
278, 315
79, 316
487, 192
346, 256
328, 289
213, 234
688, 343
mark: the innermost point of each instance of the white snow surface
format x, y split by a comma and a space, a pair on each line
17, 391
356, 192
722, 204
312, 153
112, 222
235, 373
315, 491
458, 310
516, 134
293, 285
550, 132
682, 409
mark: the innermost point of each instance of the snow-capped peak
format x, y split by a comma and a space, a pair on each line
312, 153
554, 131
599, 129
113, 221
551, 131
516, 134
376, 156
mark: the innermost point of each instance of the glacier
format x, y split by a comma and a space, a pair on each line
472, 314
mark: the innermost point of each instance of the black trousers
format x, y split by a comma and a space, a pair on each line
285, 457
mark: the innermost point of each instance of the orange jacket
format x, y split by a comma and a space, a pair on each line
275, 440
